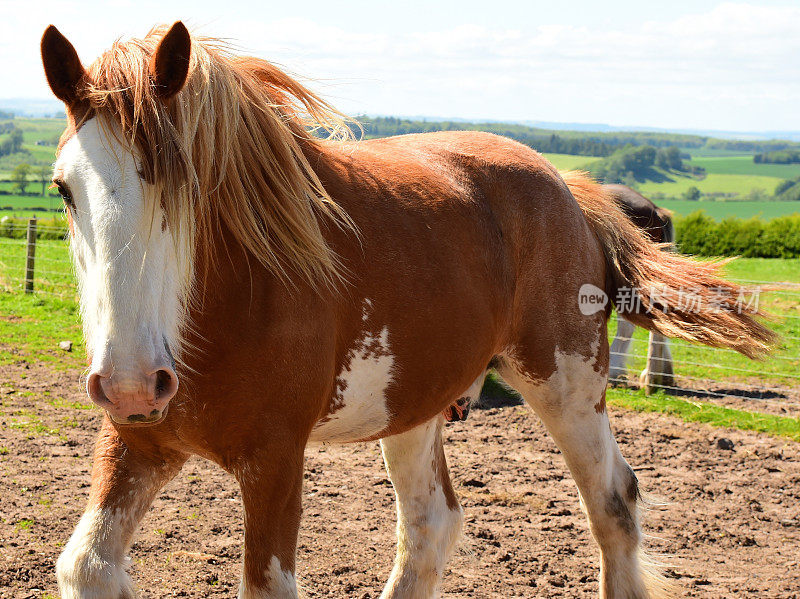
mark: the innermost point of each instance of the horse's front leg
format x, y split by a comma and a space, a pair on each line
124, 483
271, 481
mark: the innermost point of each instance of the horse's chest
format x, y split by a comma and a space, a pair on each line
358, 408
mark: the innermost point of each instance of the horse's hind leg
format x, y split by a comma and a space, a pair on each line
571, 402
124, 483
428, 514
620, 349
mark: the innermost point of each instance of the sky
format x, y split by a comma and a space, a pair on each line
681, 64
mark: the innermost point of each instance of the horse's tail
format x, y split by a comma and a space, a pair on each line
666, 292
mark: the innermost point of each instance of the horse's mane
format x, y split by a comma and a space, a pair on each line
228, 148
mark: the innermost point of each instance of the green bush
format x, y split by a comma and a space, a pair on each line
46, 228
701, 235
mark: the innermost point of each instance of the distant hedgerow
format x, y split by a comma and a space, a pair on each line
701, 235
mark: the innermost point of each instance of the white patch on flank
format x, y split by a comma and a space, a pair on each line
427, 529
280, 584
358, 408
92, 565
130, 277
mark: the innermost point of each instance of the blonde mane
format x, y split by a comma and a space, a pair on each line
227, 149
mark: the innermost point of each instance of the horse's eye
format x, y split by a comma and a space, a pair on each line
63, 190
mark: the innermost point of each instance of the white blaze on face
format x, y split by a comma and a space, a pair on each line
128, 272
358, 409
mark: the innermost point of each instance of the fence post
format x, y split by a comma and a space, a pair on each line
29, 261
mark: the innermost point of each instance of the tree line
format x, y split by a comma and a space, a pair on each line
19, 177
580, 143
631, 165
778, 157
12, 143
539, 139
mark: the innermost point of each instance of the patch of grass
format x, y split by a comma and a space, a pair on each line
60, 402
707, 413
24, 524
30, 423
32, 325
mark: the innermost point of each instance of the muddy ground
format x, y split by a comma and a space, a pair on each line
729, 525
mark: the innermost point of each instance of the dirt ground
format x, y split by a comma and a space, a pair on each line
729, 524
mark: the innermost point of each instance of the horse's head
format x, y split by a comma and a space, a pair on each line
129, 273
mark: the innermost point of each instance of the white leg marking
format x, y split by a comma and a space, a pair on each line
620, 349
358, 408
428, 524
568, 404
92, 565
281, 584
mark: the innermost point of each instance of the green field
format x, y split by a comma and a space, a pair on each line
712, 183
32, 325
744, 165
567, 162
720, 210
695, 364
730, 174
24, 205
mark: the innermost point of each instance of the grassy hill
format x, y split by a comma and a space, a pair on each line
45, 131
732, 175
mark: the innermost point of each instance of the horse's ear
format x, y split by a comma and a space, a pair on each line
62, 66
170, 63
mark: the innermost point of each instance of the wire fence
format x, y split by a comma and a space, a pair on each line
708, 373
720, 374
34, 259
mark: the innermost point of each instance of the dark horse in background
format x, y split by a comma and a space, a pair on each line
657, 223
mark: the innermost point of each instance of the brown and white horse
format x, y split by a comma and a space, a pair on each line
248, 288
657, 223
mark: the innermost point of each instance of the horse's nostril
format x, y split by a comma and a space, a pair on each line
166, 384
95, 390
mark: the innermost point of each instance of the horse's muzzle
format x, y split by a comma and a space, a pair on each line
134, 399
